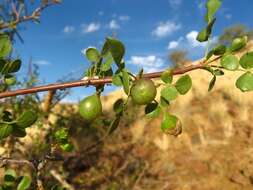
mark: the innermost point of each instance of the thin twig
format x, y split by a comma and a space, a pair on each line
60, 179
94, 82
19, 19
4, 161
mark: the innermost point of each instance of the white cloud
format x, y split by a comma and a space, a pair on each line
149, 63
191, 38
68, 29
165, 28
189, 41
92, 27
114, 25
173, 44
124, 18
175, 3
42, 62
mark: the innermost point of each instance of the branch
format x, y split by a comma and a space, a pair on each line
94, 82
19, 19
60, 179
4, 161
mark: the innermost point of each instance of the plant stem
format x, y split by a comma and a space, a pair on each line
94, 82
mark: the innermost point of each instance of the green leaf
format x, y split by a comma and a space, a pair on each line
2, 64
245, 82
67, 147
92, 54
230, 62
7, 116
27, 119
238, 43
18, 132
5, 46
118, 106
152, 110
246, 60
164, 102
10, 80
10, 175
105, 49
116, 80
24, 183
203, 35
61, 135
169, 122
108, 63
125, 80
209, 55
5, 130
212, 7
219, 50
183, 84
11, 67
209, 69
114, 125
117, 50
218, 72
169, 93
206, 32
167, 76
212, 83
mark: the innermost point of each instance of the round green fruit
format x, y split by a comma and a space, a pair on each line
143, 91
90, 107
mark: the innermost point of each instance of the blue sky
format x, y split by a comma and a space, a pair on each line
150, 29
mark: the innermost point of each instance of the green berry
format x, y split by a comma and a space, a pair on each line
90, 107
143, 91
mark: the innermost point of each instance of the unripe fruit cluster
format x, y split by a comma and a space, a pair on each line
143, 92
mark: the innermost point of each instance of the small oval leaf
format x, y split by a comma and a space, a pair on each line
212, 7
11, 67
238, 43
27, 119
245, 82
92, 54
246, 60
230, 62
5, 130
117, 50
219, 50
152, 110
169, 93
183, 84
118, 106
107, 64
10, 175
125, 81
24, 183
114, 125
167, 76
171, 125
212, 83
5, 45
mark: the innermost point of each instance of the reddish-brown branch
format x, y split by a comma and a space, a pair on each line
89, 82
